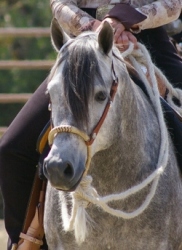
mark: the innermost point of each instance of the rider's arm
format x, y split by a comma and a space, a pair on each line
157, 13
71, 17
74, 20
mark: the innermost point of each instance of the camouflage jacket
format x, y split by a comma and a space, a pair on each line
71, 14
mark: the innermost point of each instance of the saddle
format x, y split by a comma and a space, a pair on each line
32, 236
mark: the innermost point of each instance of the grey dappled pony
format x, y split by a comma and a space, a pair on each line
116, 187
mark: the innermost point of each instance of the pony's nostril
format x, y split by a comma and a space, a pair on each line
68, 172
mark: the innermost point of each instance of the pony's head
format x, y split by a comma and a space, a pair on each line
81, 86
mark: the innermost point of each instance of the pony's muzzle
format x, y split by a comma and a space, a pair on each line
58, 172
61, 174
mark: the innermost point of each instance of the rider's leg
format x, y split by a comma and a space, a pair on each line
18, 159
163, 53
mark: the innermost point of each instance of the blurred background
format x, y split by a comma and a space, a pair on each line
26, 56
14, 46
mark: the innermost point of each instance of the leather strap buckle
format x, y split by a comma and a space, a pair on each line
31, 239
14, 246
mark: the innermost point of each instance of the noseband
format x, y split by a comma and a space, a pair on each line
87, 139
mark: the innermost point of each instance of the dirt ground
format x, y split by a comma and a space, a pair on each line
3, 236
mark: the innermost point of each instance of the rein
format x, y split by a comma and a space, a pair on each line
87, 139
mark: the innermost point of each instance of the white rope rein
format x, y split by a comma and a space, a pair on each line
173, 92
85, 193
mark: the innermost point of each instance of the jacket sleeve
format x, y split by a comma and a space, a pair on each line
159, 13
148, 16
74, 20
71, 17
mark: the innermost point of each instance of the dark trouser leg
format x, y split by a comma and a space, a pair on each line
163, 54
18, 159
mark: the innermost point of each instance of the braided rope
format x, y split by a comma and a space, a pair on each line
138, 60
67, 129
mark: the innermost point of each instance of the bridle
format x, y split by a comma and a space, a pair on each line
87, 139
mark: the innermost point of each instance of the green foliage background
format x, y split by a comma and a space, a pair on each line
22, 13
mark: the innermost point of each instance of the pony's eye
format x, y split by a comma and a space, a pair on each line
100, 96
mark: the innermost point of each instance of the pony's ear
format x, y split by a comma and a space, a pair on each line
106, 37
58, 36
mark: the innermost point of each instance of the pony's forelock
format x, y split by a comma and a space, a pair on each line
80, 69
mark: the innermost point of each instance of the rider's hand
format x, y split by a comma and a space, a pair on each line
122, 38
97, 26
117, 26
